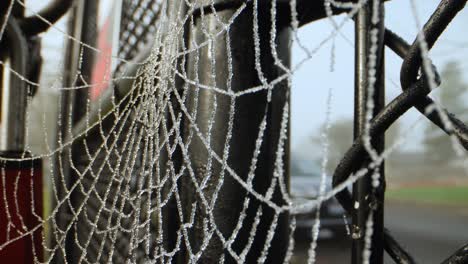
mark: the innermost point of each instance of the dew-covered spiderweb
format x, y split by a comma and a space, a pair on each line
173, 147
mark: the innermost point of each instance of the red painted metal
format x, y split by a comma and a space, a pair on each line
21, 212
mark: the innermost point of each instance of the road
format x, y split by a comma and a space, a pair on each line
430, 233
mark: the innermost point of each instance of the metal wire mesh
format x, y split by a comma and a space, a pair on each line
137, 25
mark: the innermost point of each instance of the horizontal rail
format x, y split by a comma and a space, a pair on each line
36, 23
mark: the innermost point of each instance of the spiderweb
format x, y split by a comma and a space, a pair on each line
184, 156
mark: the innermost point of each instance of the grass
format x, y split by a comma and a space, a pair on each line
431, 195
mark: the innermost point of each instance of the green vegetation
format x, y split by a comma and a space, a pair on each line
437, 144
431, 195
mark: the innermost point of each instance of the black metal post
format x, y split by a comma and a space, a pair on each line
82, 26
13, 91
368, 200
247, 119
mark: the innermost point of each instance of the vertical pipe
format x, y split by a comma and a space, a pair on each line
368, 199
82, 26
13, 91
247, 119
66, 99
4, 15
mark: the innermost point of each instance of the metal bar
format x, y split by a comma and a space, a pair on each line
310, 11
13, 89
459, 257
4, 15
72, 108
35, 24
250, 110
368, 200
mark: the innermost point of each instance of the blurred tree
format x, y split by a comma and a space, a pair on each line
295, 166
340, 137
436, 143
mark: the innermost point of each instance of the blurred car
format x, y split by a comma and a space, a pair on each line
332, 214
